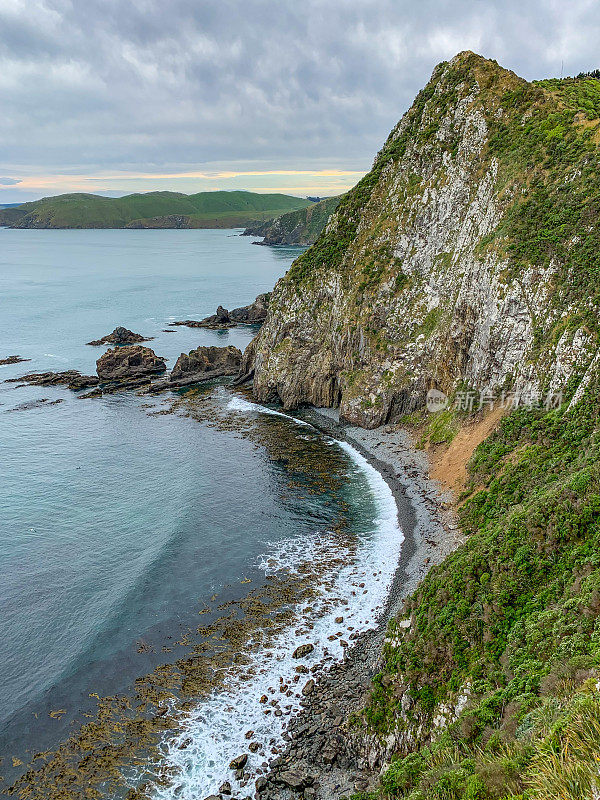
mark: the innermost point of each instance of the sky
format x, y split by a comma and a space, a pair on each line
120, 96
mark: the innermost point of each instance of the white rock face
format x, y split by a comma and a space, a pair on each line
418, 299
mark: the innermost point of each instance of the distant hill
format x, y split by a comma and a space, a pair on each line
302, 226
152, 210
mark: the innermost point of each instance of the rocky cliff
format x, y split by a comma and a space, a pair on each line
301, 227
467, 257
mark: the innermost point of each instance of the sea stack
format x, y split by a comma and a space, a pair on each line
125, 363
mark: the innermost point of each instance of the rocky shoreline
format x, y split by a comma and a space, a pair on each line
326, 758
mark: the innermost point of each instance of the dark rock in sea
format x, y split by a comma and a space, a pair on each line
225, 360
71, 379
225, 788
261, 784
132, 361
239, 762
222, 314
200, 365
168, 330
12, 360
44, 401
303, 650
253, 314
120, 336
94, 393
308, 688
82, 382
215, 321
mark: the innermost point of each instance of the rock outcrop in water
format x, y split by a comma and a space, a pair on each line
129, 362
72, 379
435, 271
200, 365
216, 321
203, 360
253, 314
205, 363
12, 360
120, 336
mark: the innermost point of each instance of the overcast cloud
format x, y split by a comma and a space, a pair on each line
126, 95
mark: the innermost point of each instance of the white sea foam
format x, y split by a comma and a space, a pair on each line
214, 733
239, 404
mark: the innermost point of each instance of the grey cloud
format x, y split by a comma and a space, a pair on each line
148, 85
9, 181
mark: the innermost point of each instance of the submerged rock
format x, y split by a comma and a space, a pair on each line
72, 379
120, 336
132, 361
44, 401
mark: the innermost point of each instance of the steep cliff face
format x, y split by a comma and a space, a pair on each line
468, 256
301, 227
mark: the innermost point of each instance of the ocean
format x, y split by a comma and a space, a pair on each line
163, 558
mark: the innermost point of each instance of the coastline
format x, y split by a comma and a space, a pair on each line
322, 760
319, 757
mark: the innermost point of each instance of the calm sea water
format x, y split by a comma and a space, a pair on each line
116, 525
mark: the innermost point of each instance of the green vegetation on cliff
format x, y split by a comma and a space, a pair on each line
510, 621
545, 136
493, 690
486, 195
300, 227
154, 209
470, 256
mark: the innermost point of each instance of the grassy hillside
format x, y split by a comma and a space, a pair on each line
510, 622
154, 209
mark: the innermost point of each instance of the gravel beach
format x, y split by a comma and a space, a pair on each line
319, 762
